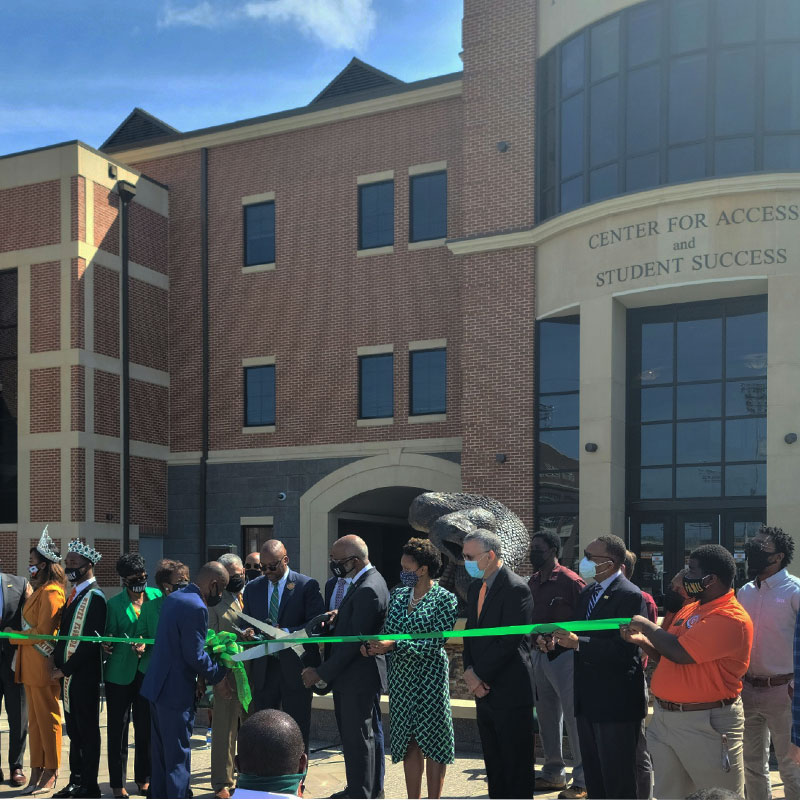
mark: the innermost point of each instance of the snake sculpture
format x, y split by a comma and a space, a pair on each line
448, 517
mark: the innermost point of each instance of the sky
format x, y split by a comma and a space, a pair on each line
75, 70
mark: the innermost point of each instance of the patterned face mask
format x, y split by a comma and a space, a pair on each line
408, 577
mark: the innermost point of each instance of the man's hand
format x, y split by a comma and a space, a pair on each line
248, 634
640, 624
108, 647
471, 679
794, 753
223, 689
310, 677
565, 639
633, 636
28, 590
544, 643
138, 649
200, 688
482, 689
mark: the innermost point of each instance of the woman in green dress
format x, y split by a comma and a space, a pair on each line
419, 683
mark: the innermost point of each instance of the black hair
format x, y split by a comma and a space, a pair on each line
270, 743
615, 548
552, 539
783, 542
630, 564
425, 553
165, 568
714, 559
130, 564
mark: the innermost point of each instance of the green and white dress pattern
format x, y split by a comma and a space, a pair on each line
419, 685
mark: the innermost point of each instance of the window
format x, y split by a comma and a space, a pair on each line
376, 215
259, 395
428, 211
259, 234
428, 381
376, 386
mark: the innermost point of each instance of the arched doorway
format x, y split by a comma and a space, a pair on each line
352, 491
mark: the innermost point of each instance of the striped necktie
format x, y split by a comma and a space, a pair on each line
274, 604
596, 592
341, 584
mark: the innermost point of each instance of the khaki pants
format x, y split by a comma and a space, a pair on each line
224, 731
686, 748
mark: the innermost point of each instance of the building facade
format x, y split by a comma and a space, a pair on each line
563, 277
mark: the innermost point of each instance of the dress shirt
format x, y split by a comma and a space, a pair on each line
359, 574
555, 599
773, 606
796, 695
604, 584
332, 604
82, 585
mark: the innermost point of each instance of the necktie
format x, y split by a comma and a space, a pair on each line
598, 589
273, 604
338, 596
481, 598
71, 596
240, 598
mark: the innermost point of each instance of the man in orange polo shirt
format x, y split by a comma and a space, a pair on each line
697, 730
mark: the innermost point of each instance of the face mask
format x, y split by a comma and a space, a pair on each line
213, 599
473, 569
252, 574
75, 575
588, 569
673, 601
34, 570
408, 577
179, 585
757, 559
338, 569
136, 588
538, 558
235, 584
694, 588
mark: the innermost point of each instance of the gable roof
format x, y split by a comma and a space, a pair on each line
357, 76
138, 126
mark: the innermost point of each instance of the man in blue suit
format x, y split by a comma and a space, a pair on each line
287, 600
179, 656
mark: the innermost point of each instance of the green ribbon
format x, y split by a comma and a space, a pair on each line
221, 646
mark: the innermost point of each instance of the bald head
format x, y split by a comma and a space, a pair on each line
212, 579
274, 560
352, 545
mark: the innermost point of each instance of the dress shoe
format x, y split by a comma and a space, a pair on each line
341, 794
85, 791
67, 790
573, 793
544, 785
17, 777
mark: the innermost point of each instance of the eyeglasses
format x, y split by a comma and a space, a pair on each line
475, 558
760, 546
271, 567
253, 566
132, 580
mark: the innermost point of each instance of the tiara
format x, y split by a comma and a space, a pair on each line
83, 549
47, 547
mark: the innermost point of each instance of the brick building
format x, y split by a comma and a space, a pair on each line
335, 307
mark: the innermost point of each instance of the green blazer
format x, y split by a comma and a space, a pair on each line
146, 628
121, 619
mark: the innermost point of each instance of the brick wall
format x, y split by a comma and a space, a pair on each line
106, 219
45, 310
30, 216
149, 493
106, 311
77, 397
106, 486
149, 325
45, 409
77, 333
149, 412
8, 552
45, 486
148, 238
105, 570
78, 484
106, 403
78, 208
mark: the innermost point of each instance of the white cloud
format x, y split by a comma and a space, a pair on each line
200, 15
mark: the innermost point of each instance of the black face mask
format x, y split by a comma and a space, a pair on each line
181, 585
252, 574
757, 559
338, 568
694, 588
213, 600
673, 601
538, 558
137, 588
235, 584
75, 575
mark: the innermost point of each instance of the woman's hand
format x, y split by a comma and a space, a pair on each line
376, 647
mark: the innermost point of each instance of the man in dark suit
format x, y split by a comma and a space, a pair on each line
354, 679
12, 598
288, 600
610, 699
498, 671
179, 656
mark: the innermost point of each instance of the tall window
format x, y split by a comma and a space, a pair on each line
428, 206
376, 386
557, 393
697, 401
668, 91
428, 381
8, 395
259, 234
259, 394
375, 215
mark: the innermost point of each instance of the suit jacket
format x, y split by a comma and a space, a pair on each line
179, 654
504, 662
121, 620
86, 660
361, 613
42, 614
13, 589
609, 679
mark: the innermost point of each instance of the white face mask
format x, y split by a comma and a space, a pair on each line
588, 569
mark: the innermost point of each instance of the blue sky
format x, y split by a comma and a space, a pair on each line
74, 70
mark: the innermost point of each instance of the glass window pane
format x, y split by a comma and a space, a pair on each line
687, 98
734, 156
603, 127
746, 480
688, 25
547, 79
698, 533
746, 439
782, 152
642, 172
559, 449
783, 19
547, 205
656, 444
572, 194
558, 488
428, 381
428, 206
572, 65
559, 356
259, 234
698, 442
698, 482
644, 33
697, 400
548, 148
782, 87
655, 483
686, 163
656, 404
603, 183
657, 340
699, 349
260, 395
604, 45
558, 410
376, 214
736, 20
736, 91
376, 386
643, 109
746, 345
746, 397
572, 135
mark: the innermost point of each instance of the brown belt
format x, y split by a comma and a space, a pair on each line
667, 706
772, 680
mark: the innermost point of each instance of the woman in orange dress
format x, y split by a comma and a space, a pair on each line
42, 614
